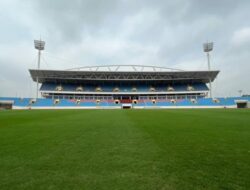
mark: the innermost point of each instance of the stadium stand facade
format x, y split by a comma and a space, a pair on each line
116, 89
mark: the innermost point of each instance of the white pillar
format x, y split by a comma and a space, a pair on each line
38, 67
210, 83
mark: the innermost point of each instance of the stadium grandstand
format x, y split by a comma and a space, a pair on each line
123, 86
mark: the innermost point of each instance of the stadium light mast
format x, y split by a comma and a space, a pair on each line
240, 92
208, 47
39, 45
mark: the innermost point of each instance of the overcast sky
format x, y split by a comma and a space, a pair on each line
166, 33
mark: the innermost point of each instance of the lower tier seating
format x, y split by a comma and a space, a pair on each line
65, 103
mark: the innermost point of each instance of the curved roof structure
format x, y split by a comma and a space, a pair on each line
121, 73
127, 68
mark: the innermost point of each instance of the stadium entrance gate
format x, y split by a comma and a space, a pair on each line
6, 105
126, 106
242, 103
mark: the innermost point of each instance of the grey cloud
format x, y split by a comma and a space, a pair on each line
96, 32
73, 19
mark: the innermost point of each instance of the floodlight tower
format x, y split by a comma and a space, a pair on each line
208, 47
39, 45
240, 92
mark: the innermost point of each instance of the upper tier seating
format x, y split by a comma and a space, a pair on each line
123, 88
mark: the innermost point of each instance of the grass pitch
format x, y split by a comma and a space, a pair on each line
125, 149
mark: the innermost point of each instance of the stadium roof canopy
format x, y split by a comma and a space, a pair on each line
122, 73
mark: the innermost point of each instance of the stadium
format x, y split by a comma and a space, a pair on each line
123, 86
124, 95
124, 127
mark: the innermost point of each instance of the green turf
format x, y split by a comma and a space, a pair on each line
125, 149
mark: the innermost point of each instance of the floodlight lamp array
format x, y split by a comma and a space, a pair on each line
207, 47
39, 45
